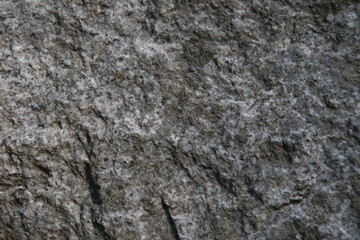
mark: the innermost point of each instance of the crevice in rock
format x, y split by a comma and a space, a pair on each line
99, 114
173, 228
255, 195
97, 223
179, 163
224, 183
44, 169
82, 231
94, 187
84, 137
291, 202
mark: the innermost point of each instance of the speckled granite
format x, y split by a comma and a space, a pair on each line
179, 119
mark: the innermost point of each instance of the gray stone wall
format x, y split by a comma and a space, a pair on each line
179, 119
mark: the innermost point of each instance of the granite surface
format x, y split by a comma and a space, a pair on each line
180, 119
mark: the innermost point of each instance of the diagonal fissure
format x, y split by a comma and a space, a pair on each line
173, 228
94, 187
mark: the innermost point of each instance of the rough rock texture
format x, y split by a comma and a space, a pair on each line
180, 119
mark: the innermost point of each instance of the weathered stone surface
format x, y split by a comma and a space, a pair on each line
203, 119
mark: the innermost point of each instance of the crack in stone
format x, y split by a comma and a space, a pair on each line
173, 228
94, 187
97, 200
97, 223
